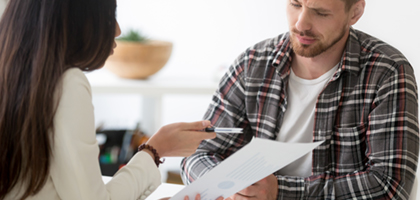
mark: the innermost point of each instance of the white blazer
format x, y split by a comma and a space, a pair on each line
75, 172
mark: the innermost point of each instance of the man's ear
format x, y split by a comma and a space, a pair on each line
356, 12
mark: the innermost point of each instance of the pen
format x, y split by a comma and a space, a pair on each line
224, 130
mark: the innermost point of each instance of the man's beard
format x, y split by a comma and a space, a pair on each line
308, 51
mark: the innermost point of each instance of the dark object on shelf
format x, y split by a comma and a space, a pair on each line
117, 147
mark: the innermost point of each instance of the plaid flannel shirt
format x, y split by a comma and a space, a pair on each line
367, 115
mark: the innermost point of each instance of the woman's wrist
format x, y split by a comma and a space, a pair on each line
152, 152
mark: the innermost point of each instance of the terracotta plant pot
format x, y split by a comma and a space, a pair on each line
139, 60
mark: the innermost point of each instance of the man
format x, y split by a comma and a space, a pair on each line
322, 80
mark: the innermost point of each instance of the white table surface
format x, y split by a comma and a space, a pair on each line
164, 190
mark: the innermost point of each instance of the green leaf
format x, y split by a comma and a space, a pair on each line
133, 36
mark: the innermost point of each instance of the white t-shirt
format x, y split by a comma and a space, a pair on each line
75, 172
298, 120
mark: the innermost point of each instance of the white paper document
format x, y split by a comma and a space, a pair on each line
255, 161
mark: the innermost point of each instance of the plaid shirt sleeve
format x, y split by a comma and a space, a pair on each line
367, 115
224, 111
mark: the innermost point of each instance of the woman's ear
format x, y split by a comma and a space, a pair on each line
357, 11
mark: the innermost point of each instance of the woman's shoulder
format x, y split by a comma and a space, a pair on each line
73, 85
74, 74
74, 78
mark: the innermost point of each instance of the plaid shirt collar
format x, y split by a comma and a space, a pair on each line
282, 55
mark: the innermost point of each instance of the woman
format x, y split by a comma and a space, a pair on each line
47, 134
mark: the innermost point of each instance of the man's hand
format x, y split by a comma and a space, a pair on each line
265, 189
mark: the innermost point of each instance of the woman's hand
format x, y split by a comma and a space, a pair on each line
180, 139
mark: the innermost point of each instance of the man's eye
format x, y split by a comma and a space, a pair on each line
321, 14
295, 5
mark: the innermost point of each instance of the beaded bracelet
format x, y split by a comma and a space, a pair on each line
153, 150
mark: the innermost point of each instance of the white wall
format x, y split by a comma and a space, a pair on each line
207, 34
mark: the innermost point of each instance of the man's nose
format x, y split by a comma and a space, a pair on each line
304, 21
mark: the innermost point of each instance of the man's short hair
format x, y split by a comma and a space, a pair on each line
349, 3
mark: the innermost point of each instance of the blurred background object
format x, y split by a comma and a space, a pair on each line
117, 146
2, 6
137, 57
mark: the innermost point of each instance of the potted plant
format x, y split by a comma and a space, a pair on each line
137, 57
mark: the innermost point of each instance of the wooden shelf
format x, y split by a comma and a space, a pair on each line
152, 91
